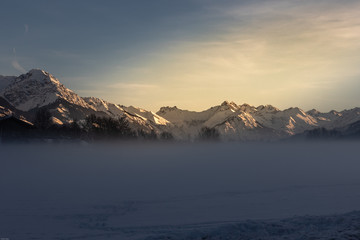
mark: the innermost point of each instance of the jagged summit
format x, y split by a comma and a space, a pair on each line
37, 88
335, 112
268, 108
38, 71
313, 112
228, 103
167, 109
39, 75
247, 108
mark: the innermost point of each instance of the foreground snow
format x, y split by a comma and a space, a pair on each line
340, 227
201, 191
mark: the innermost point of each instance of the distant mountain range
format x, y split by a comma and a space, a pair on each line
26, 94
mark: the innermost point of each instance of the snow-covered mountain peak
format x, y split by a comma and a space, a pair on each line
133, 113
293, 109
38, 88
226, 105
247, 108
167, 109
147, 115
39, 75
333, 112
267, 108
38, 71
313, 112
97, 103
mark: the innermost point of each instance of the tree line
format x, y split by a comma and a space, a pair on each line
94, 128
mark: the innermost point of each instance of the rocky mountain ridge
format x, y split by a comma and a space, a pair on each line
37, 89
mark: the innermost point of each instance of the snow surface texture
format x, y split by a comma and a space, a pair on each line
5, 81
38, 88
180, 191
245, 122
340, 227
138, 117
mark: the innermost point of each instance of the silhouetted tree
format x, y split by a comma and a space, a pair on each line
73, 129
322, 133
106, 127
147, 135
42, 119
209, 134
166, 136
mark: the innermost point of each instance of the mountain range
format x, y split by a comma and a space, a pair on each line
24, 95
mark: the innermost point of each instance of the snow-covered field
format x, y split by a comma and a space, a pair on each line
180, 191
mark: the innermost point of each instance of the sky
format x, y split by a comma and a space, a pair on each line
192, 54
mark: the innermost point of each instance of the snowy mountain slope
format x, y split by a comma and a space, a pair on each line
336, 120
25, 94
225, 117
324, 117
353, 129
235, 122
138, 118
181, 117
244, 128
348, 132
104, 106
36, 89
39, 89
241, 122
346, 117
291, 121
7, 109
115, 110
67, 112
246, 122
5, 81
147, 115
6, 105
230, 110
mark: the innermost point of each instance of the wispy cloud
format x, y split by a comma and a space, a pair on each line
257, 49
93, 93
16, 64
133, 86
26, 28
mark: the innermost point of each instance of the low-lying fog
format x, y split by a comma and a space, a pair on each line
64, 186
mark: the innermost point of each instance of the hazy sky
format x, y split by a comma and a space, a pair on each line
190, 53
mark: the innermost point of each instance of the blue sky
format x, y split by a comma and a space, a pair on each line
190, 53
